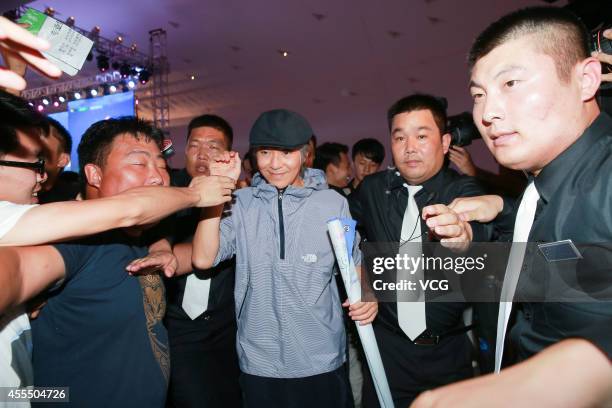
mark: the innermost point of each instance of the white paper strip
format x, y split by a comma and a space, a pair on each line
366, 333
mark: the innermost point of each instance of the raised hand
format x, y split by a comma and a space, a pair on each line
19, 48
226, 164
462, 159
213, 190
605, 58
445, 224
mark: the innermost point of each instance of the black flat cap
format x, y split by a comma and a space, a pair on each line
280, 128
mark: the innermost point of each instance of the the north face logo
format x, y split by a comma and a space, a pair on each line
309, 258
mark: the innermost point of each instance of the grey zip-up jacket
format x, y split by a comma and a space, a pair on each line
287, 304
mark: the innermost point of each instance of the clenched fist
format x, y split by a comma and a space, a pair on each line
226, 164
213, 190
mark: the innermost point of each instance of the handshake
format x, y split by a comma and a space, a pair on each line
217, 188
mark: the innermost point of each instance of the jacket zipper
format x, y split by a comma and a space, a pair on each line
281, 225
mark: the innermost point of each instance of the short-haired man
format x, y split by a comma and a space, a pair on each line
200, 315
312, 151
534, 82
388, 207
57, 147
368, 155
333, 159
97, 298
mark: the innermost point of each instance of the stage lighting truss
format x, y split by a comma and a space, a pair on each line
122, 68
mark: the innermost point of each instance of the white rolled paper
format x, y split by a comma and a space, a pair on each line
366, 333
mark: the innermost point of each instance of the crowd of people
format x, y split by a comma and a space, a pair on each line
216, 285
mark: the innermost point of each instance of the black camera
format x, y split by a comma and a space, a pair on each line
462, 129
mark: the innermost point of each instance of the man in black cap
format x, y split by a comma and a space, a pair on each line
291, 340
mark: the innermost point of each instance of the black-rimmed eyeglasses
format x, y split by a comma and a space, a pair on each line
38, 166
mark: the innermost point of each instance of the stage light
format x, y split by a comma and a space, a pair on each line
102, 62
61, 99
70, 21
93, 92
112, 88
31, 104
144, 76
77, 95
56, 104
131, 84
40, 108
124, 70
45, 101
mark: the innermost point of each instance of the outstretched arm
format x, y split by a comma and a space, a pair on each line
138, 206
208, 235
572, 373
27, 271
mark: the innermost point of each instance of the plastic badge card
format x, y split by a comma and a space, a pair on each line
69, 48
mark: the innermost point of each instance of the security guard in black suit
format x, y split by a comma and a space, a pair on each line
443, 353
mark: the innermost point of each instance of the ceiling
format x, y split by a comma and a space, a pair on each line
349, 60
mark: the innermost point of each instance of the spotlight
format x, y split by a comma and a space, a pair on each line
96, 30
119, 39
45, 101
61, 99
124, 70
70, 21
144, 76
102, 62
31, 104
112, 88
131, 84
40, 108
93, 92
50, 11
77, 95
133, 47
56, 104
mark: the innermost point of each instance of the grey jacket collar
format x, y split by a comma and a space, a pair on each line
314, 179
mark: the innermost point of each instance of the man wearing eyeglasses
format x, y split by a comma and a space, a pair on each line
24, 223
